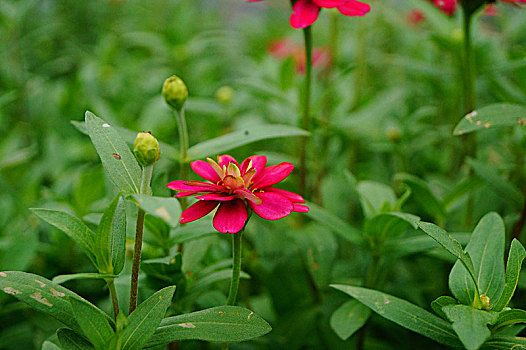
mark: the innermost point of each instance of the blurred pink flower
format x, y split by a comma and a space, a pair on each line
490, 10
305, 12
232, 187
415, 17
285, 48
447, 6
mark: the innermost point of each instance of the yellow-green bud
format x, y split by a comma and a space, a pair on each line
146, 149
485, 301
393, 133
225, 94
175, 92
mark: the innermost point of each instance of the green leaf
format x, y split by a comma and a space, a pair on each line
451, 245
94, 325
423, 196
218, 324
103, 239
82, 276
145, 319
505, 343
116, 157
513, 269
71, 226
509, 318
404, 314
470, 324
486, 249
192, 230
389, 225
165, 208
242, 137
416, 244
440, 302
204, 283
118, 237
69, 340
376, 198
41, 294
501, 187
337, 225
495, 115
349, 318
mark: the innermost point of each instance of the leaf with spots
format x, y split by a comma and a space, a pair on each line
145, 319
116, 157
217, 324
495, 115
242, 137
404, 314
42, 295
167, 209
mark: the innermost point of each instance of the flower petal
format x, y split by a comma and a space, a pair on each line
291, 196
300, 208
246, 194
272, 175
216, 197
273, 206
193, 186
329, 3
304, 13
185, 194
258, 163
231, 216
205, 170
197, 211
233, 183
354, 8
225, 159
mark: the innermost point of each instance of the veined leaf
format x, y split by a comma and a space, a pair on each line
116, 157
470, 324
69, 340
71, 226
218, 324
452, 246
118, 237
93, 324
349, 318
509, 318
504, 343
103, 237
165, 208
240, 138
82, 276
440, 302
513, 269
495, 115
486, 249
144, 320
404, 314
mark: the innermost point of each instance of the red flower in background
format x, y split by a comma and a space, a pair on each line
232, 187
447, 6
415, 17
285, 48
305, 12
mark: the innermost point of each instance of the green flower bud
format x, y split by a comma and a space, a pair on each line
485, 301
146, 149
175, 92
393, 133
224, 94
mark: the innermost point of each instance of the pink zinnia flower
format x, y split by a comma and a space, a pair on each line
305, 12
447, 6
232, 187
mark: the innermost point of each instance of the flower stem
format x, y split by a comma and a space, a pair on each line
468, 83
305, 120
113, 294
236, 267
183, 148
139, 230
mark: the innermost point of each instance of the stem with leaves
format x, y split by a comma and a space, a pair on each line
305, 119
139, 230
